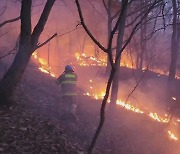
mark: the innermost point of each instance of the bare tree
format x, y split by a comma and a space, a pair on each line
108, 5
27, 45
115, 63
4, 23
121, 29
174, 40
143, 27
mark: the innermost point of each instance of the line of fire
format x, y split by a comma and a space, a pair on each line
96, 90
124, 57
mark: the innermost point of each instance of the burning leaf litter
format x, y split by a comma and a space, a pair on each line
44, 65
155, 116
85, 60
92, 61
172, 136
132, 108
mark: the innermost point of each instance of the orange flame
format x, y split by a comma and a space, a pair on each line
129, 106
172, 136
156, 117
85, 60
44, 65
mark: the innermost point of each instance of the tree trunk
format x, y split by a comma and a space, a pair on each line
14, 74
83, 45
143, 42
27, 44
109, 28
173, 64
141, 60
108, 67
115, 84
174, 42
137, 60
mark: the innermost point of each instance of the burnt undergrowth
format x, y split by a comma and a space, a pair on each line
34, 125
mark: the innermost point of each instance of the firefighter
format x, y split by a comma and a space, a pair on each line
68, 81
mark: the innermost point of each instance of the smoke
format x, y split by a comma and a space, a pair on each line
150, 95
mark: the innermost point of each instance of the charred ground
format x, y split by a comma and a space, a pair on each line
34, 125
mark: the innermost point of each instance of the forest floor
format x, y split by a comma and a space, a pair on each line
33, 125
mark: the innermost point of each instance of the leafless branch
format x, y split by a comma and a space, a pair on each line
49, 39
132, 64
116, 14
86, 29
109, 52
9, 53
102, 112
114, 30
142, 76
69, 31
105, 6
139, 15
140, 79
90, 1
137, 84
9, 21
135, 28
1, 35
113, 70
164, 21
42, 21
40, 4
3, 9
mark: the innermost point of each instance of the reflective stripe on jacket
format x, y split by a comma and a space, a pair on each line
68, 83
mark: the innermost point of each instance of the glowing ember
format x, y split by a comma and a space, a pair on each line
175, 123
46, 71
174, 98
42, 61
128, 106
102, 94
87, 94
84, 55
172, 136
96, 97
156, 117
53, 75
77, 55
43, 70
34, 55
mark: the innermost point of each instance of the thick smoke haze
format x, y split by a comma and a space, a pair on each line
149, 96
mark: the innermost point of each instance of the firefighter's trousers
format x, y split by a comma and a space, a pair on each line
69, 103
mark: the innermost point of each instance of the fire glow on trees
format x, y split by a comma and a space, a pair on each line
98, 95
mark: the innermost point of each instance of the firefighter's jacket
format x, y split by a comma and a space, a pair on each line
68, 81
